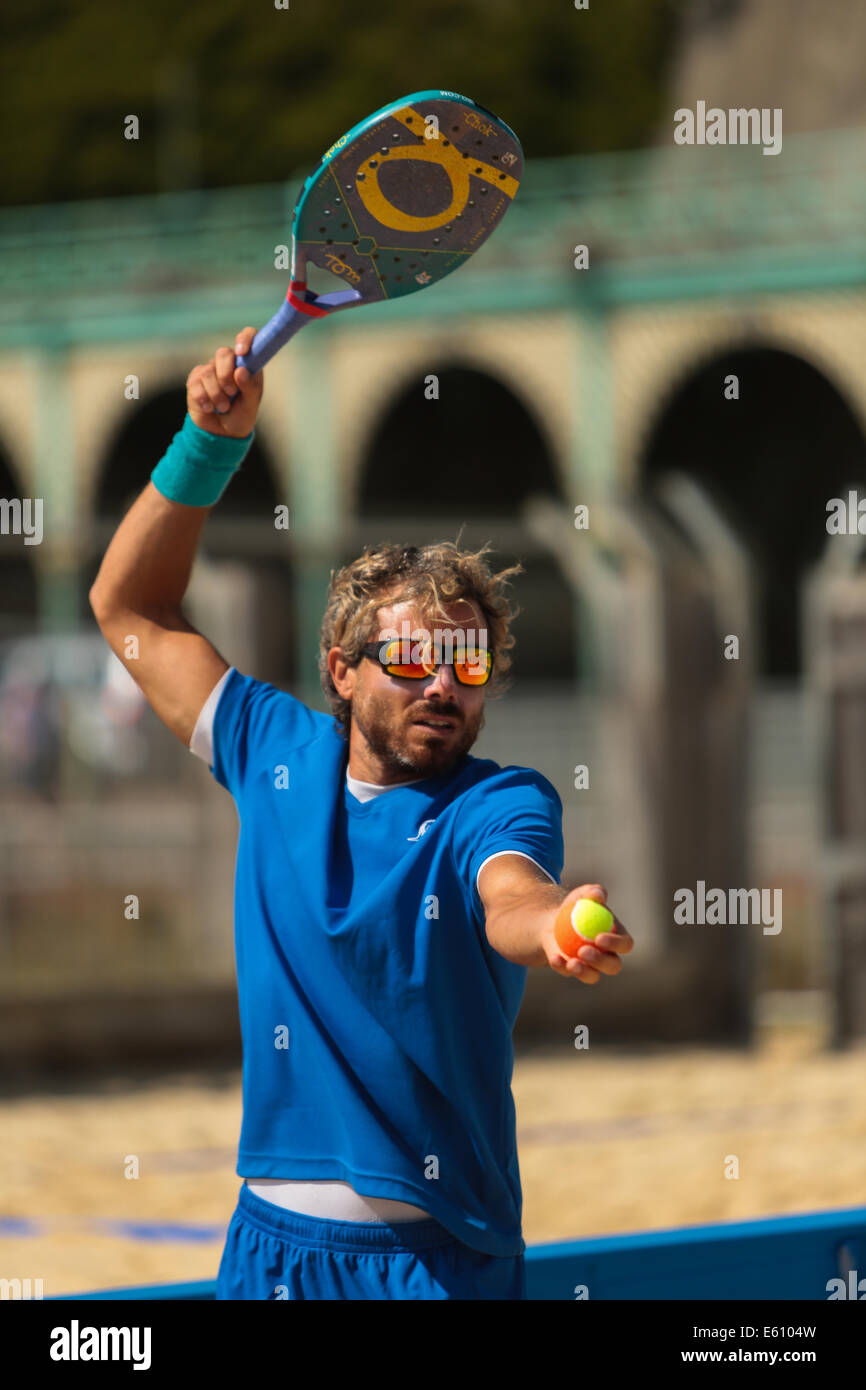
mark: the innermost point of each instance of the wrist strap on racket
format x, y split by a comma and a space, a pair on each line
197, 467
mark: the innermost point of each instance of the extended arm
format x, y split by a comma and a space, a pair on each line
520, 907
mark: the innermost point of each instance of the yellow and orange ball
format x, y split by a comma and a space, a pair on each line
579, 923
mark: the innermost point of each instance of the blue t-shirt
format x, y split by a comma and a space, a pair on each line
376, 1018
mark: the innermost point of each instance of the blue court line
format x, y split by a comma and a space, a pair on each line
18, 1226
151, 1232
155, 1231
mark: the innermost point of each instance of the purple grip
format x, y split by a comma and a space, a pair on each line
268, 341
287, 321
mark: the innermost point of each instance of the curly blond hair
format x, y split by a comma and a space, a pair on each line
432, 576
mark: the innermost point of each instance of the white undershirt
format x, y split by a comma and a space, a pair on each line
365, 791
326, 1199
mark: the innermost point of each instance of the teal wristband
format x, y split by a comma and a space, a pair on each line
197, 467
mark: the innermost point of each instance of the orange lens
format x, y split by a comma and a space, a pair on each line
412, 671
398, 666
474, 669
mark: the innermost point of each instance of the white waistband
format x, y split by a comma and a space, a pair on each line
333, 1201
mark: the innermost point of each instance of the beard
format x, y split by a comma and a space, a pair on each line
407, 752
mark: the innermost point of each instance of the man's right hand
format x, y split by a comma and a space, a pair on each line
221, 398
594, 959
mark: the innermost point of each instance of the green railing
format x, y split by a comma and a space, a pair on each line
659, 212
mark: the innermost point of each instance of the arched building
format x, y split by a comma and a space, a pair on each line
718, 330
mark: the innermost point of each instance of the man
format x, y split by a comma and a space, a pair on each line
391, 891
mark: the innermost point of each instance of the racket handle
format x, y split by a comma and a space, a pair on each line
287, 321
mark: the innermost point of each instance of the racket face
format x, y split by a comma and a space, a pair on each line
391, 209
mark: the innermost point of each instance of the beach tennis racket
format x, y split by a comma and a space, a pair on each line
398, 203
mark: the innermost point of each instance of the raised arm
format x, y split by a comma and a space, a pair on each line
138, 593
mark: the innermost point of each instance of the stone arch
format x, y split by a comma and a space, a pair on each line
138, 445
471, 458
771, 460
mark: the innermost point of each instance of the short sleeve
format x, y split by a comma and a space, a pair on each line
516, 810
250, 716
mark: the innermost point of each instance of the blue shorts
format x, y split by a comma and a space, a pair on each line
275, 1254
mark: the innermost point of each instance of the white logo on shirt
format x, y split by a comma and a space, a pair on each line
421, 829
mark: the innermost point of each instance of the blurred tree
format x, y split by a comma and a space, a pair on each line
270, 88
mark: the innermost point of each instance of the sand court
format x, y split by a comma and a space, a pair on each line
609, 1142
